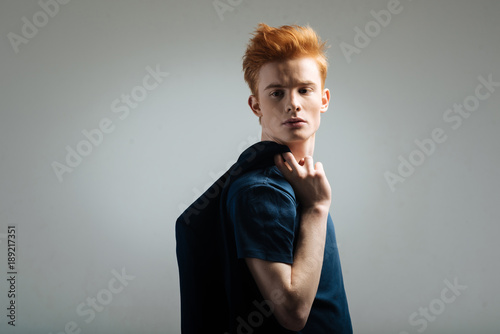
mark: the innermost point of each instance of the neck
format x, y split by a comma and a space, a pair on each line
299, 148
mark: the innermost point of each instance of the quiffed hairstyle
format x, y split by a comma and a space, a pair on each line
277, 44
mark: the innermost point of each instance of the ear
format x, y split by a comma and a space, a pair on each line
254, 104
325, 100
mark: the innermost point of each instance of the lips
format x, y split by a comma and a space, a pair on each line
294, 123
294, 120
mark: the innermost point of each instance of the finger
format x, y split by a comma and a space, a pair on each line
308, 163
279, 162
319, 167
290, 159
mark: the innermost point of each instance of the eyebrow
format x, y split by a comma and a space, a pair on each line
277, 85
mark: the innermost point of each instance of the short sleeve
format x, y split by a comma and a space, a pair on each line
264, 220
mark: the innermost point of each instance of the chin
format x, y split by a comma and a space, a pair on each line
286, 137
294, 139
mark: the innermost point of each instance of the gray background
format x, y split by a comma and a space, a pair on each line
116, 210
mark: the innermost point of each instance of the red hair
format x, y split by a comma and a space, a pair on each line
277, 44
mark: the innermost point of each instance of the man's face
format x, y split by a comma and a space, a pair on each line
290, 100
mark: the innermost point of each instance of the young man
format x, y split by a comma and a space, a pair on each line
290, 277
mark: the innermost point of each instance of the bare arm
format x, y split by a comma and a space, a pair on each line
292, 288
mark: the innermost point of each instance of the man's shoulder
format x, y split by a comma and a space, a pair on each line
268, 177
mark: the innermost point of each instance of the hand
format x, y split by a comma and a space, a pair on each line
308, 181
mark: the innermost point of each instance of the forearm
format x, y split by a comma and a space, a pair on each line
308, 261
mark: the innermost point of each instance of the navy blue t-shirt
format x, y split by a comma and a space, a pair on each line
265, 216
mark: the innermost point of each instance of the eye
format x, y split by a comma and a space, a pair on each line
305, 90
276, 93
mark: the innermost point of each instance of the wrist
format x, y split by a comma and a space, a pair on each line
317, 209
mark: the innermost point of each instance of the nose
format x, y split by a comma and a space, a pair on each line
292, 103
